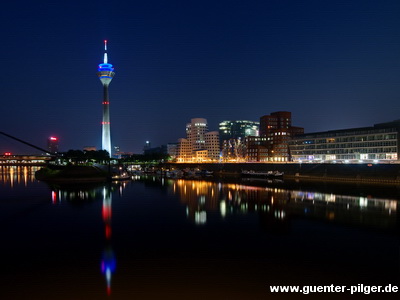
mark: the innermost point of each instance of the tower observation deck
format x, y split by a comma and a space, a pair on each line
105, 72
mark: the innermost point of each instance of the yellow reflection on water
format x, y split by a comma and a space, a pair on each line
204, 197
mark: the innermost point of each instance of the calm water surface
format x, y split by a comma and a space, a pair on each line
154, 238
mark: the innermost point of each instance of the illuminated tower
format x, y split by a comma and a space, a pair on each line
106, 74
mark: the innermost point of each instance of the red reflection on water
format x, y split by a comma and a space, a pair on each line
54, 197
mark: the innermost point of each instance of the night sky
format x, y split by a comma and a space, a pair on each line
333, 64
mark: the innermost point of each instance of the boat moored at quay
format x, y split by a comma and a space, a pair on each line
268, 174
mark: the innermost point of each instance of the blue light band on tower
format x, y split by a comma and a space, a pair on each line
105, 72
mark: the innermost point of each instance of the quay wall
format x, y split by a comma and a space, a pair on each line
389, 173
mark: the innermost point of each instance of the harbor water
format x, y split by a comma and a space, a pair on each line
158, 238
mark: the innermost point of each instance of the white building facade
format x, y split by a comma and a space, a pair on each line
199, 144
379, 143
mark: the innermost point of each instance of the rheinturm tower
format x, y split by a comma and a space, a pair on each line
105, 72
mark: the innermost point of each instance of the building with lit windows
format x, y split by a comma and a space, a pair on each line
52, 144
264, 141
378, 143
234, 150
212, 145
256, 149
195, 131
276, 131
232, 138
237, 129
199, 144
184, 151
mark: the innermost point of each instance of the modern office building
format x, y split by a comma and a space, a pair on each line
257, 149
264, 141
237, 129
232, 136
105, 72
234, 150
195, 131
212, 145
276, 131
378, 143
52, 144
184, 151
199, 144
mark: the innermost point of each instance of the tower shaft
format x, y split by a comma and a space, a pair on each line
106, 133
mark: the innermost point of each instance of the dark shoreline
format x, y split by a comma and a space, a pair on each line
71, 174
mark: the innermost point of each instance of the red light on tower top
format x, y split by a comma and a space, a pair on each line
52, 144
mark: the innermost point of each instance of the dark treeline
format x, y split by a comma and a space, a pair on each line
79, 155
152, 157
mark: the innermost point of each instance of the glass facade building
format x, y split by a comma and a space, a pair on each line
237, 129
233, 135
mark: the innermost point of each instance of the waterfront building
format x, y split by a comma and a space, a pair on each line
234, 150
195, 131
237, 129
184, 151
105, 72
33, 160
212, 145
257, 149
198, 138
377, 143
52, 144
232, 135
276, 131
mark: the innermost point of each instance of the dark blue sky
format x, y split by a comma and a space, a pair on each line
333, 64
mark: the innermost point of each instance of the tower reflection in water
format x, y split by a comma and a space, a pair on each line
108, 262
75, 194
276, 205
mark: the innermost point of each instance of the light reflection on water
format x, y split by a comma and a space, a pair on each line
78, 193
203, 197
10, 175
205, 202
